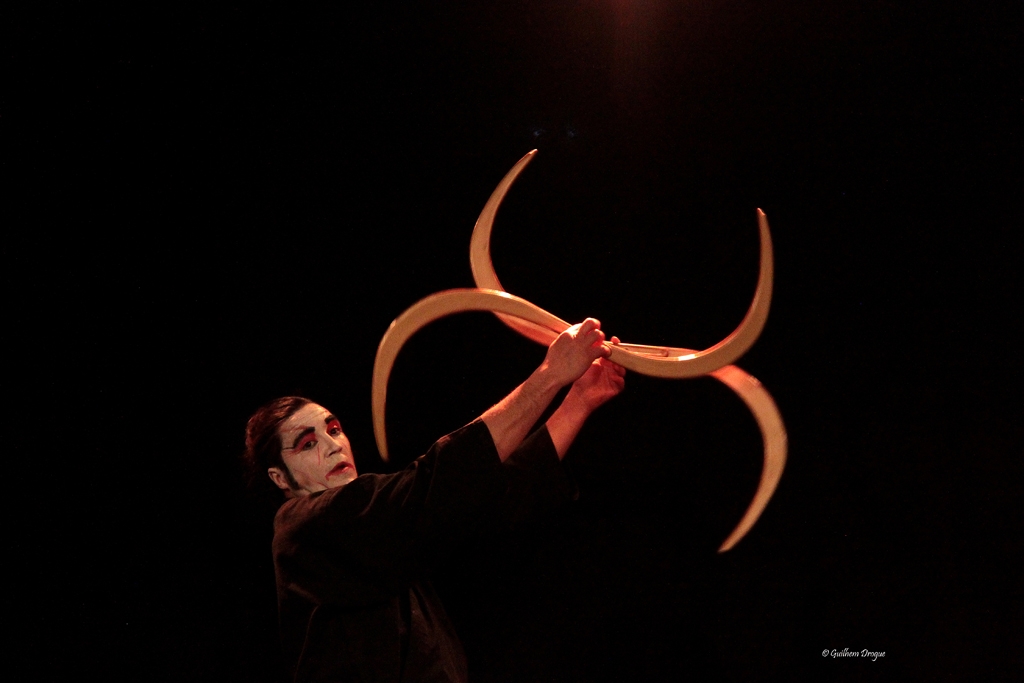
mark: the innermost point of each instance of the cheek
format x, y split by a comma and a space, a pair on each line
308, 470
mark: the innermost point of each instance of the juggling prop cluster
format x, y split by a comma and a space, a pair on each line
536, 324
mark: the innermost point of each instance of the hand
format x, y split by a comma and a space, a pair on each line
574, 351
602, 381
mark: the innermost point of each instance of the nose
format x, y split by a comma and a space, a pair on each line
336, 444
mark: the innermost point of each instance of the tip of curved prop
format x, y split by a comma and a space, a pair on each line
773, 432
480, 242
382, 365
729, 349
480, 252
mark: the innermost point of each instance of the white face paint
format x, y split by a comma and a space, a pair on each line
316, 452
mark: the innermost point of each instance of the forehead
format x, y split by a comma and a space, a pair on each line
310, 415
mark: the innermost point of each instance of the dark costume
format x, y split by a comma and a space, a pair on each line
354, 601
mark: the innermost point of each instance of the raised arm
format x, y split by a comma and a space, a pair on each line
601, 382
570, 356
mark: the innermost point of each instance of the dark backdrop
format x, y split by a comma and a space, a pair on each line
210, 208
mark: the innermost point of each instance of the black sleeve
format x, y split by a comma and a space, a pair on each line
537, 480
355, 544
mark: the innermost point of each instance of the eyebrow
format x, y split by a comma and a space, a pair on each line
307, 430
327, 420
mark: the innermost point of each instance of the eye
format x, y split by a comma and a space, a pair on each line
306, 443
334, 428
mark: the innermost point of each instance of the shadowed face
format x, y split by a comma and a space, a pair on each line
315, 451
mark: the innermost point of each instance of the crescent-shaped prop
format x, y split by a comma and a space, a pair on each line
750, 391
537, 324
667, 362
773, 433
426, 311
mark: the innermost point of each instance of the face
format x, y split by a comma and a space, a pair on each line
315, 451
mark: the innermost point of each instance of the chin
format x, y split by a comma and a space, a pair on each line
342, 479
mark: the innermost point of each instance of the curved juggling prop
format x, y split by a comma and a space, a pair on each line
655, 361
773, 433
540, 326
426, 311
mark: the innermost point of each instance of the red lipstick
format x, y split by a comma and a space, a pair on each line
339, 468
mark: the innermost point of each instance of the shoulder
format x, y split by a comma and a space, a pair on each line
345, 500
457, 459
474, 440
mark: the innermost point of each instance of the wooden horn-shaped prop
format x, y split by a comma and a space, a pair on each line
426, 311
655, 361
540, 326
750, 391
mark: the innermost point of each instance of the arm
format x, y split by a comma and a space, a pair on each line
603, 381
568, 357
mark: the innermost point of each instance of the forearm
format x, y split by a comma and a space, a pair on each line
569, 357
565, 423
603, 381
510, 420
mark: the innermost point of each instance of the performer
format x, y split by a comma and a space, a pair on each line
352, 553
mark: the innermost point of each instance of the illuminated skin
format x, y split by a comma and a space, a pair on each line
316, 452
599, 384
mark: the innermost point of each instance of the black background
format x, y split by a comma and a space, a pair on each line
211, 208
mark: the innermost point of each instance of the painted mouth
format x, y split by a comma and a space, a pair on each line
339, 468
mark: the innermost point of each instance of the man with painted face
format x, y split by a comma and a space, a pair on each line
353, 553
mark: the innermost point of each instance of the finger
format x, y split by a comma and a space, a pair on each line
617, 369
592, 339
588, 325
615, 340
613, 366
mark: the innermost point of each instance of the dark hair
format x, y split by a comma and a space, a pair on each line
263, 443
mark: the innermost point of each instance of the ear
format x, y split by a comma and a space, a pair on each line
279, 478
